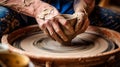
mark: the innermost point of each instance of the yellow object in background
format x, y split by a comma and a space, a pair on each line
10, 59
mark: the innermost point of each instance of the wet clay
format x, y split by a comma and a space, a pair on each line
72, 19
84, 44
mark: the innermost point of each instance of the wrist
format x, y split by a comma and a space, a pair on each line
85, 6
91, 4
45, 12
80, 6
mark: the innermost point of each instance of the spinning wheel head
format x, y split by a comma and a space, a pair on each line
85, 44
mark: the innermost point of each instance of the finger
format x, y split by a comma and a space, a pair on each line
85, 25
47, 33
79, 23
59, 31
65, 23
52, 33
42, 26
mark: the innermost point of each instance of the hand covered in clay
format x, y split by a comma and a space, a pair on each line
50, 21
82, 22
47, 16
81, 12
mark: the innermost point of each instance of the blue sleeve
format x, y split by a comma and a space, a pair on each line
63, 6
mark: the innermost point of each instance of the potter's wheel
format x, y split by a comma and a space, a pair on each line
86, 44
96, 46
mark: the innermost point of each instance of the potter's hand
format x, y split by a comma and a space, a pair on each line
82, 22
81, 8
49, 20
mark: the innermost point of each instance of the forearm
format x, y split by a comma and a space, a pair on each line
28, 7
84, 5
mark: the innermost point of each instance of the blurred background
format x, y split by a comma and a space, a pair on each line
110, 4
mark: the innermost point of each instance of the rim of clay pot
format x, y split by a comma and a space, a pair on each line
112, 35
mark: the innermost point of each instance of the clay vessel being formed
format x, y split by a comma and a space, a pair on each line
72, 19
